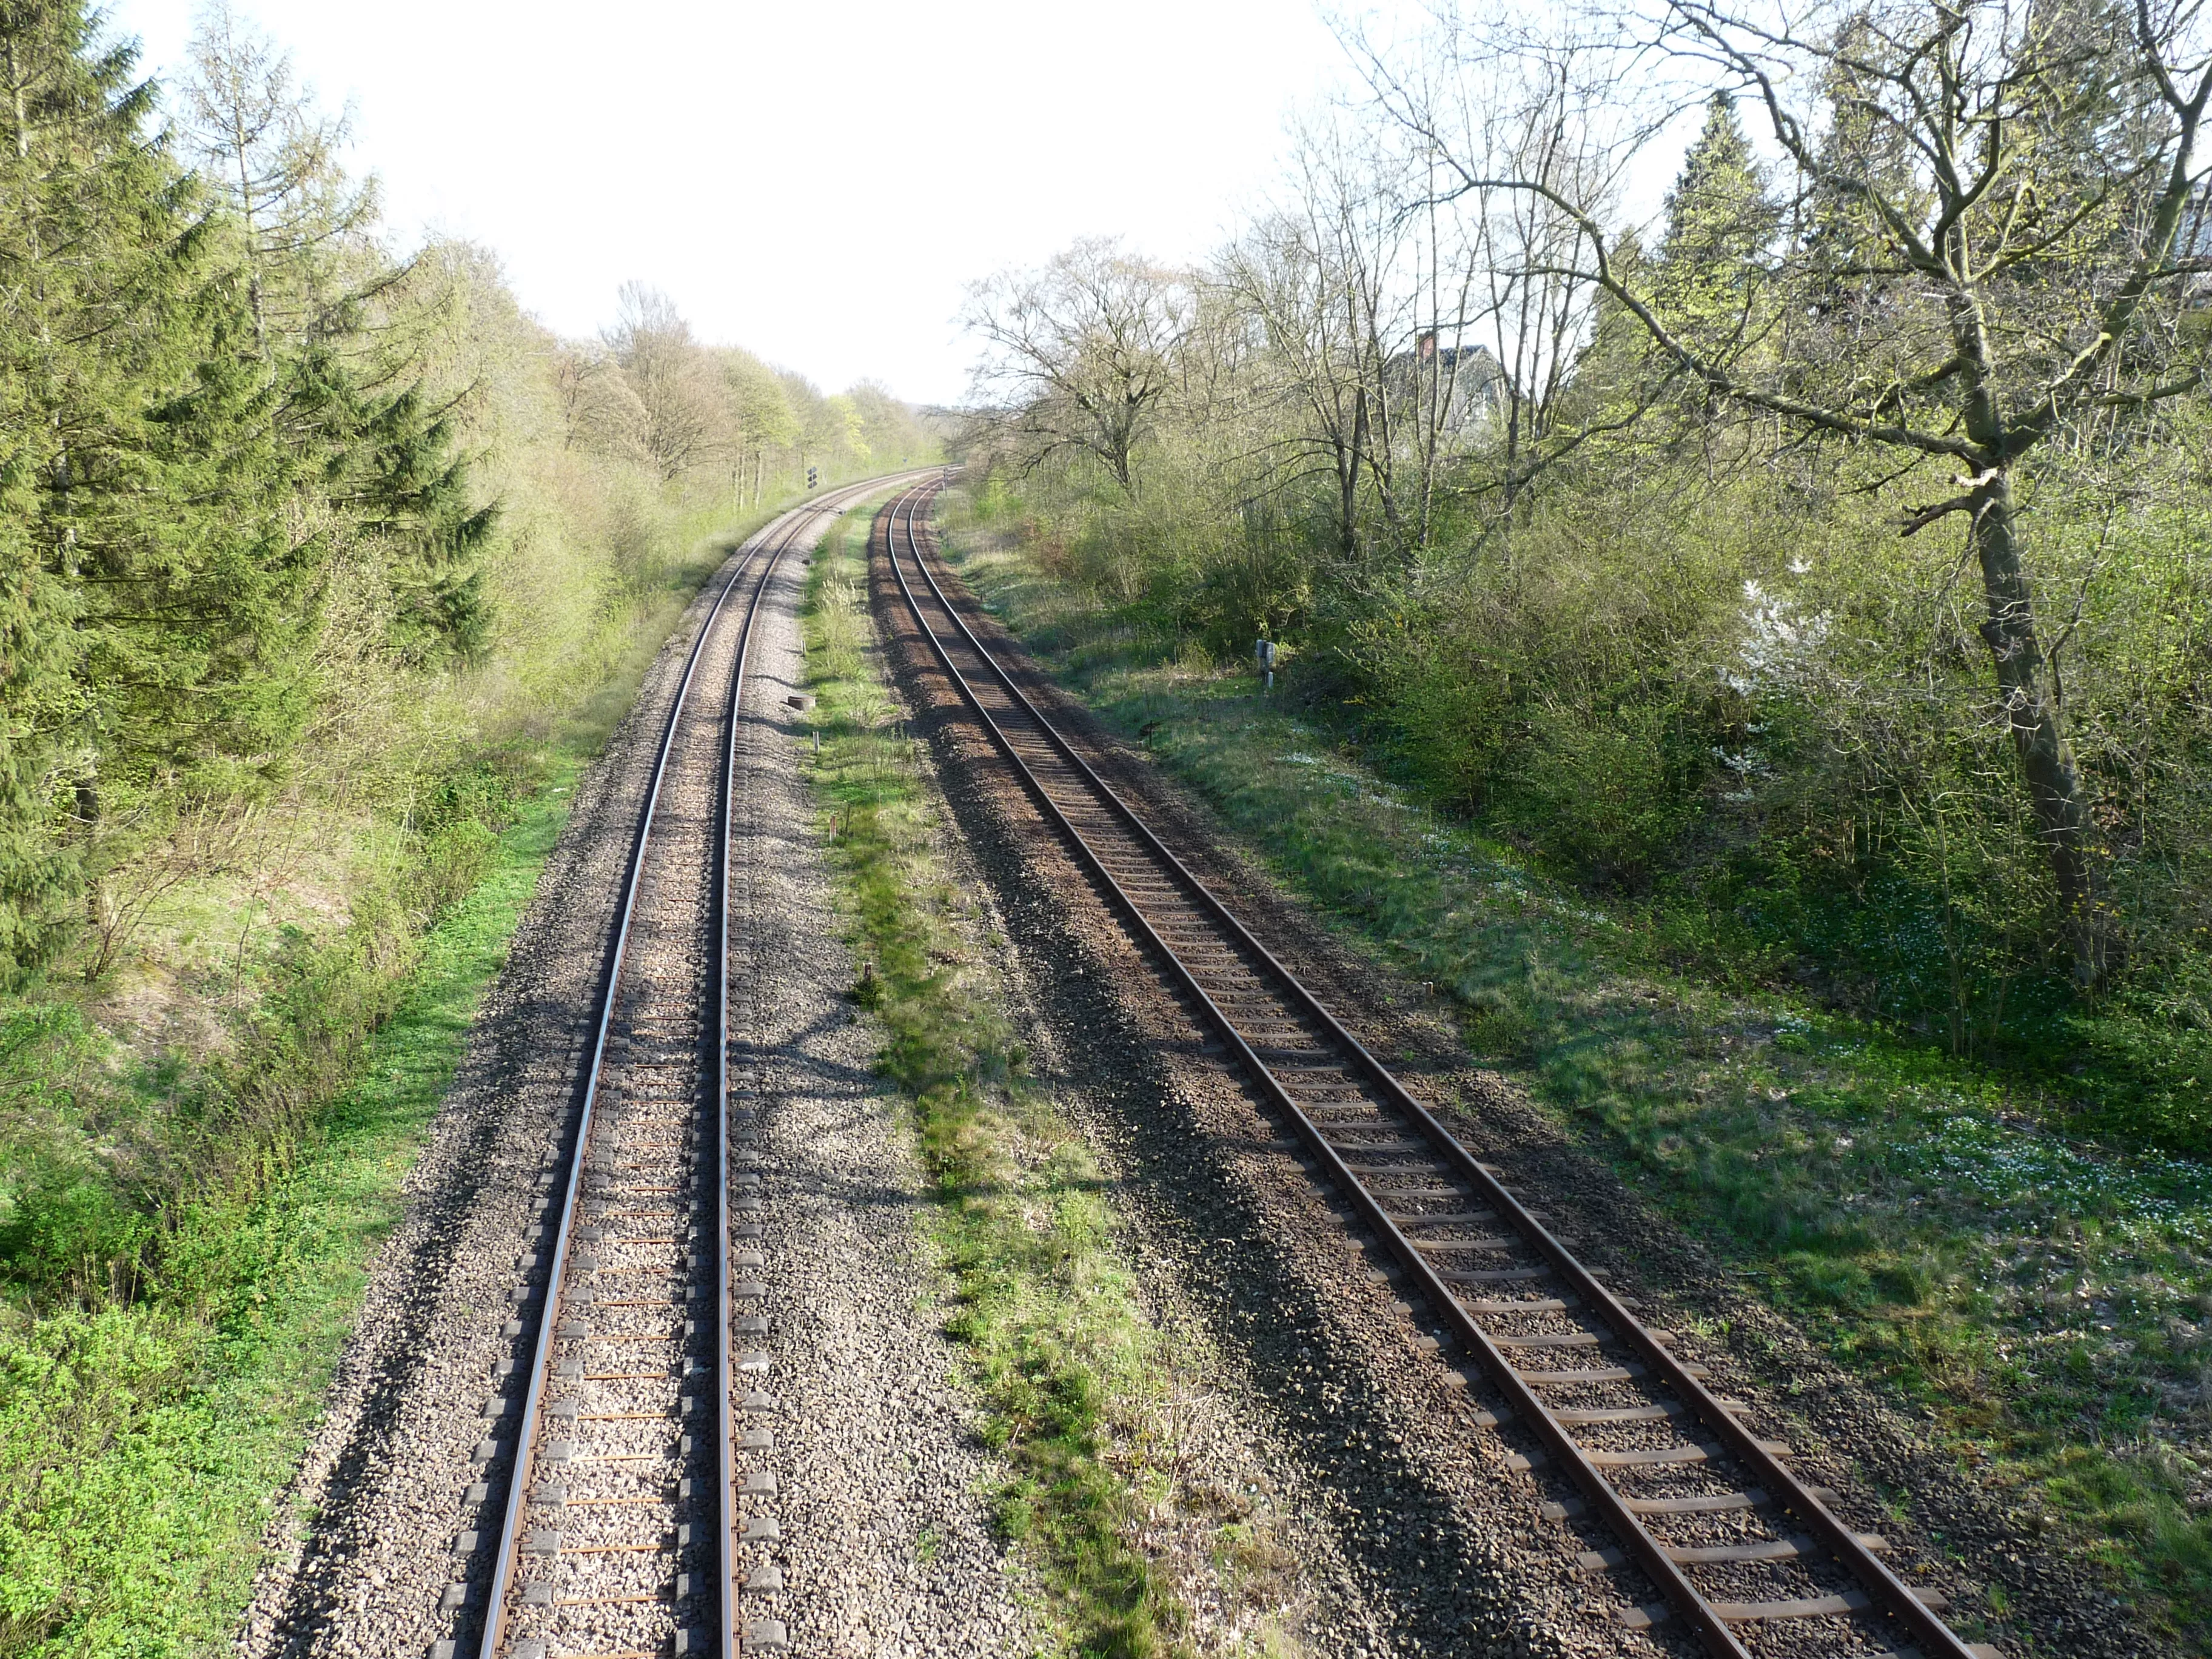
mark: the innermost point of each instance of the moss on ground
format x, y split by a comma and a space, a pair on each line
1045, 1312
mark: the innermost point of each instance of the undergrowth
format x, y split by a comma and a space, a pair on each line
143, 1442
1044, 1313
1941, 1231
189, 1204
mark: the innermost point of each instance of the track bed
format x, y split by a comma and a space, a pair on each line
1703, 1523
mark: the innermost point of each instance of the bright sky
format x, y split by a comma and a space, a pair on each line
814, 181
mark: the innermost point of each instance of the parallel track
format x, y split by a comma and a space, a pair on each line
619, 1525
1710, 1513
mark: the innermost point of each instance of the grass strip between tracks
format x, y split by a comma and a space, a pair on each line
2043, 1298
151, 1441
1044, 1312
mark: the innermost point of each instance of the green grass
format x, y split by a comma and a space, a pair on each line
201, 1152
1045, 1310
2044, 1297
141, 1446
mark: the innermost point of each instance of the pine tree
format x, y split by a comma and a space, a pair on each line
415, 498
273, 160
1844, 238
93, 246
1710, 275
203, 636
176, 477
298, 227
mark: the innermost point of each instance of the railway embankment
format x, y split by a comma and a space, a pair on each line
1145, 1489
1884, 1240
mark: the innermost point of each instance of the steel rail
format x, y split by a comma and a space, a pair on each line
1882, 1586
524, 1466
726, 1508
725, 1414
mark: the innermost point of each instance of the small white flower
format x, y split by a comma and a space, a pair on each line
1780, 644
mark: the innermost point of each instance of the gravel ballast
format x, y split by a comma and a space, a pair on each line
1425, 1503
886, 1547
389, 1512
1419, 1538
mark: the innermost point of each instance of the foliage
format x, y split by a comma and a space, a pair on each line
1045, 1312
247, 460
1591, 530
180, 487
1935, 1226
318, 571
141, 1443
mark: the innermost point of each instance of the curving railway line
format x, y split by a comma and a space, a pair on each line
1699, 1507
631, 1463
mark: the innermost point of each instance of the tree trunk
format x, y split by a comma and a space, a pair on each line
99, 907
1347, 478
2028, 685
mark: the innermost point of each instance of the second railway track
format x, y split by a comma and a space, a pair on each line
630, 1452
1738, 1553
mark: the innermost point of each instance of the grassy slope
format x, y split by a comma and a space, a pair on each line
147, 1543
1046, 1313
141, 1445
2042, 1297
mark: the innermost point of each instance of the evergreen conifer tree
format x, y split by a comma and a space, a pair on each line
416, 498
1709, 277
94, 247
176, 477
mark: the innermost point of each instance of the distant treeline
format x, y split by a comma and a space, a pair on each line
1819, 566
280, 510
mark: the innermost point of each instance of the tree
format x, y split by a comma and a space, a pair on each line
889, 431
179, 479
1309, 307
676, 385
273, 158
762, 409
1710, 275
1082, 352
2029, 258
1319, 280
600, 410
99, 253
414, 496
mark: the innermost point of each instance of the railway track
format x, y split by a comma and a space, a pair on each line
1737, 1551
637, 1437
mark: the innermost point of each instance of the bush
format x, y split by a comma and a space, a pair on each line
1719, 683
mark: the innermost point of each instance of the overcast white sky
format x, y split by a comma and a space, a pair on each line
741, 155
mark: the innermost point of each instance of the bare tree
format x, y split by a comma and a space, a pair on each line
1538, 306
677, 384
261, 142
2013, 177
1081, 352
1316, 278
